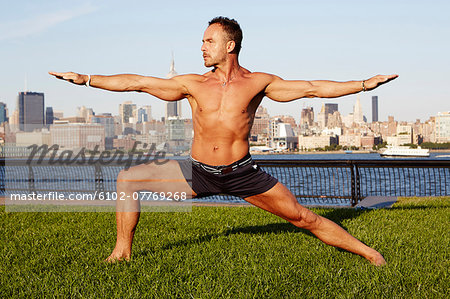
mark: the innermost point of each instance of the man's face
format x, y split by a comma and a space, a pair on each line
214, 46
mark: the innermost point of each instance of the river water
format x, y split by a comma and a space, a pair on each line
352, 156
83, 178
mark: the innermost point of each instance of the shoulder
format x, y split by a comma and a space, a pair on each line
260, 76
189, 78
189, 82
263, 79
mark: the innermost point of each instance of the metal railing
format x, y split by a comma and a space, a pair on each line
321, 182
402, 178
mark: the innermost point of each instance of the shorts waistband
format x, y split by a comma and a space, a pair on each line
223, 169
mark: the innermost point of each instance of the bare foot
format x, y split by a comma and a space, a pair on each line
377, 259
118, 256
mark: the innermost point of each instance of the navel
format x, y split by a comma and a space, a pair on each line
215, 147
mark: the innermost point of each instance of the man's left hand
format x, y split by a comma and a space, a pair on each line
378, 80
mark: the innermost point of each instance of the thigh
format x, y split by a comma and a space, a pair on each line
156, 177
279, 201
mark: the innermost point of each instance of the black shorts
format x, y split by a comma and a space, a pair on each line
242, 178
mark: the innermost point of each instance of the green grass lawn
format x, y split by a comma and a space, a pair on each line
226, 252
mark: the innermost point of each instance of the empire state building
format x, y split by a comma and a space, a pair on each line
173, 109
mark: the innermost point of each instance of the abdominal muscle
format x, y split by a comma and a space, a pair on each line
220, 143
219, 152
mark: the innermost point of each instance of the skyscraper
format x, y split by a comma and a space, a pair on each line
148, 111
330, 108
374, 108
326, 110
322, 117
127, 111
173, 108
31, 110
2, 112
48, 116
142, 115
307, 116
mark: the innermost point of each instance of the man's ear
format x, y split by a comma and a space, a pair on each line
230, 46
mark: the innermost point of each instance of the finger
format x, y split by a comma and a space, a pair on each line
390, 78
57, 75
65, 76
386, 79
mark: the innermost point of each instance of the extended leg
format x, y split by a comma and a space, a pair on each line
281, 202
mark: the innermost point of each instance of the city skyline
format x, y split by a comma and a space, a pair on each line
367, 115
130, 129
293, 39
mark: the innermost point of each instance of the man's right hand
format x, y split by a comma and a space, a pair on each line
71, 77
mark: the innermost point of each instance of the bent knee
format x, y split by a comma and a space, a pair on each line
126, 178
306, 219
123, 178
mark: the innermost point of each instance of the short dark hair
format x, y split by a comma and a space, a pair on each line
232, 29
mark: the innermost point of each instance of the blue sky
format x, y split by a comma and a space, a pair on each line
308, 40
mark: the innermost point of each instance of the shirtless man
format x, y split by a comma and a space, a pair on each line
223, 103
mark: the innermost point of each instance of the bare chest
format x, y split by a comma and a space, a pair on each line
235, 98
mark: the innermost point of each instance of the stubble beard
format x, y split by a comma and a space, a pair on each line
213, 62
209, 62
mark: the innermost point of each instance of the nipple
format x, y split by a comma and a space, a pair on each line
243, 111
201, 109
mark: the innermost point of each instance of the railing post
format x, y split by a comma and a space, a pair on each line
99, 186
31, 187
3, 175
352, 174
357, 185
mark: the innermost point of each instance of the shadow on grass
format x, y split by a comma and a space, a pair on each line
336, 215
275, 228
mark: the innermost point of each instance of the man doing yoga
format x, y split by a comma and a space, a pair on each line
223, 102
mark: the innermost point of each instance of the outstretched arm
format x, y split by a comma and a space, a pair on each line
284, 91
165, 89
